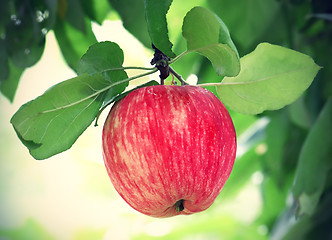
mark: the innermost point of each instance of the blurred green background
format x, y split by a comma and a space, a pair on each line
280, 187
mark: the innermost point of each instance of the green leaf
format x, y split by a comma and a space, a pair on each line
9, 86
101, 58
300, 114
208, 35
316, 226
4, 14
314, 162
73, 43
51, 123
271, 77
155, 14
276, 141
28, 55
96, 10
133, 18
274, 198
24, 37
4, 65
75, 15
246, 19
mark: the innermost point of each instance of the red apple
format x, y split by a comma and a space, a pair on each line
169, 149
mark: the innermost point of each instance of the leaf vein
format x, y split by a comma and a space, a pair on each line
71, 123
47, 126
262, 79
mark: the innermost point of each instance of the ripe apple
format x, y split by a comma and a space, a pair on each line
169, 149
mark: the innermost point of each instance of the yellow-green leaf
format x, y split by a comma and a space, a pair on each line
271, 77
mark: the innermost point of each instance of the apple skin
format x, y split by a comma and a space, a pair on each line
169, 150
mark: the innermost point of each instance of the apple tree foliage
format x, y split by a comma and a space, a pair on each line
255, 55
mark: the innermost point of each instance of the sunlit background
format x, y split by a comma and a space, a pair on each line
70, 196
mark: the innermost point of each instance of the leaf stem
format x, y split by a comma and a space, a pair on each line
98, 115
179, 56
225, 83
125, 68
221, 84
153, 70
209, 84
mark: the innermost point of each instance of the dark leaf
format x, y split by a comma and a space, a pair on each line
4, 66
133, 18
246, 19
24, 37
96, 10
300, 114
73, 43
9, 86
75, 16
155, 14
276, 141
315, 162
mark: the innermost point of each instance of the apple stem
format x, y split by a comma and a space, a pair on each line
179, 206
178, 76
162, 64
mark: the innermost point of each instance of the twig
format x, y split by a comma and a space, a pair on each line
178, 76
